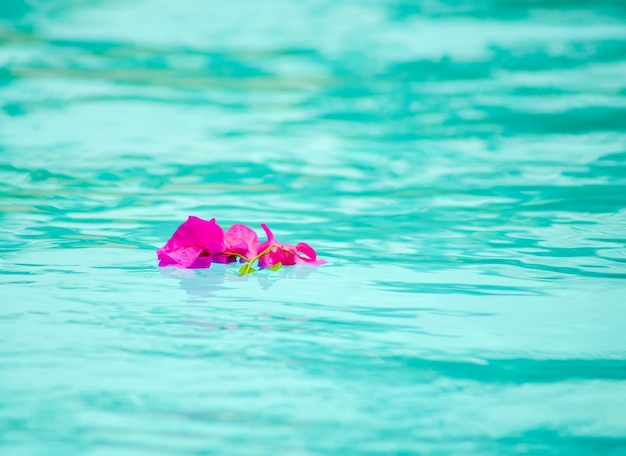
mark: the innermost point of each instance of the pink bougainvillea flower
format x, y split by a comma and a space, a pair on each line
243, 241
195, 244
286, 254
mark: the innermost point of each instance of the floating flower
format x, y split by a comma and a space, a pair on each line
197, 243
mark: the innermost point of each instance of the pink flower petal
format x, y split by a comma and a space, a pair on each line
307, 250
223, 258
286, 254
178, 256
310, 253
277, 255
242, 240
268, 233
193, 244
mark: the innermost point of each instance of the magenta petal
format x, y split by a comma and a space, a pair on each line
310, 253
275, 256
193, 238
281, 253
301, 260
202, 262
267, 261
286, 253
198, 232
307, 250
164, 259
268, 232
242, 240
223, 258
184, 257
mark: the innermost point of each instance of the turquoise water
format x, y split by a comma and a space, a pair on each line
460, 165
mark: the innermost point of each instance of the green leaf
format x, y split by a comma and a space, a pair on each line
276, 267
244, 269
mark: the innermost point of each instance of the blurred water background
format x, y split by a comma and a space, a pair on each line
460, 164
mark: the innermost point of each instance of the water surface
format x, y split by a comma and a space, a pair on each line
461, 166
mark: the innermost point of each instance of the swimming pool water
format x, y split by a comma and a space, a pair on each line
460, 165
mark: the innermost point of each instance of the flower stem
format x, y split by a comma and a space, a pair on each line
250, 261
237, 255
264, 252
